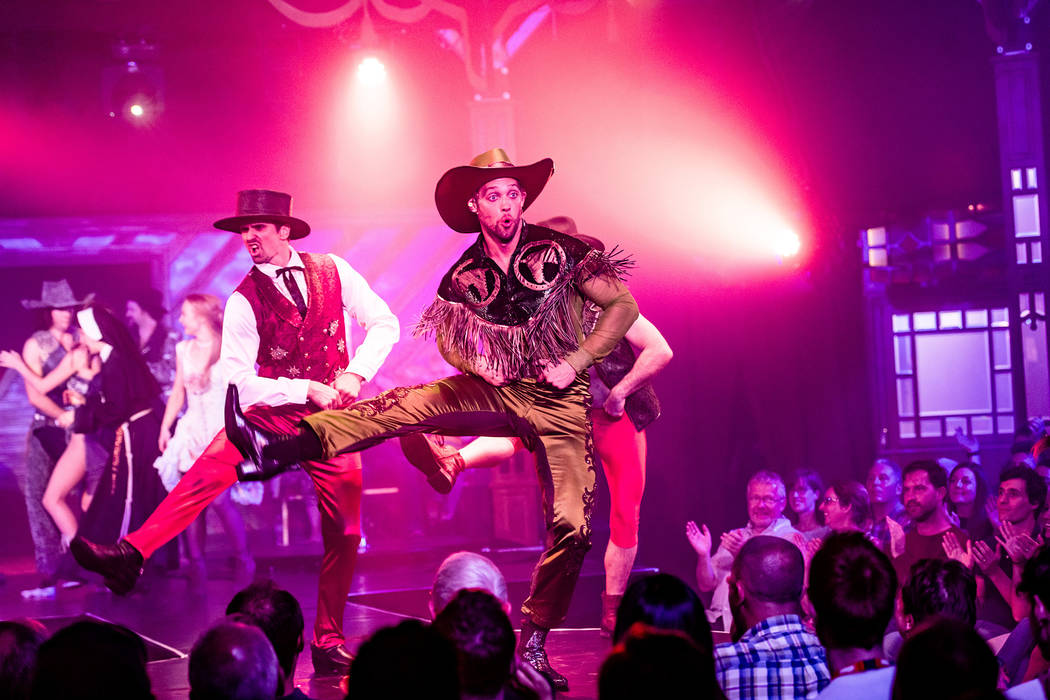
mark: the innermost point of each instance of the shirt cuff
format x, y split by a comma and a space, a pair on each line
580, 359
366, 373
298, 391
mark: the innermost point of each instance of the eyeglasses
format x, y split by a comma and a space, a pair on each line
764, 500
828, 500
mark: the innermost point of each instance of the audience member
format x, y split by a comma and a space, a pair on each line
935, 588
466, 570
852, 588
967, 497
477, 625
89, 660
1035, 585
884, 494
773, 655
665, 602
652, 663
278, 614
404, 662
845, 507
925, 489
945, 659
19, 643
805, 489
233, 660
766, 497
1020, 497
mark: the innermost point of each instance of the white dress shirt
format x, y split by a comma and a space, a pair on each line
240, 337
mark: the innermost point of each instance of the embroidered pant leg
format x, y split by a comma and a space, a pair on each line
457, 405
47, 540
565, 466
622, 451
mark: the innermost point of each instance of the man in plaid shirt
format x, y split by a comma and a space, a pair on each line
774, 656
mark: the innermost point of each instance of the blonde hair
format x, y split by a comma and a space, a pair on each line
209, 309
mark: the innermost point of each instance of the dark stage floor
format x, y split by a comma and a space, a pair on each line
388, 587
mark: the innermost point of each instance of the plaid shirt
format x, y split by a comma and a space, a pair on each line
777, 658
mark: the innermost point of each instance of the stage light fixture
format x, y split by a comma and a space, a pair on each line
133, 89
787, 244
371, 71
136, 110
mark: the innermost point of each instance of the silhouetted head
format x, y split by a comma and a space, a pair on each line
476, 624
234, 660
92, 659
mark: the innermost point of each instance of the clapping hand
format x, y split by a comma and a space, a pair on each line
734, 540
1019, 545
985, 556
953, 550
699, 538
897, 537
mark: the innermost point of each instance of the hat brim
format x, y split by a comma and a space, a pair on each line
41, 304
459, 184
233, 224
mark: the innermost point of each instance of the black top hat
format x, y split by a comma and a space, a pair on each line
461, 183
264, 205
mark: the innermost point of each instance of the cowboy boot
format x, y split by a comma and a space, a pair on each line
610, 603
440, 463
530, 647
120, 564
266, 454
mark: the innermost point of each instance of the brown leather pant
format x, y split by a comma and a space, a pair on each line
551, 422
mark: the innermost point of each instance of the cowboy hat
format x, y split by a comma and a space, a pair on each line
56, 295
461, 183
567, 225
272, 207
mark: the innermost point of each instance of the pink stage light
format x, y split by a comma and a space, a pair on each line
371, 71
136, 110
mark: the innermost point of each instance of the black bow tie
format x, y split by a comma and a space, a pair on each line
285, 273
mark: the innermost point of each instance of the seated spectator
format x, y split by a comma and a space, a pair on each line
665, 602
1035, 586
466, 570
477, 625
278, 614
766, 497
852, 587
1019, 499
925, 490
945, 659
408, 660
934, 588
805, 489
884, 496
652, 663
773, 655
967, 497
234, 660
19, 643
845, 507
89, 660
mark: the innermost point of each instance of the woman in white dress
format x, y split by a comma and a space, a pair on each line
201, 388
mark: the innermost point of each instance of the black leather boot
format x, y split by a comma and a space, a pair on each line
256, 445
530, 647
119, 564
330, 661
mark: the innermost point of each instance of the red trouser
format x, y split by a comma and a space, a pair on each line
622, 451
338, 484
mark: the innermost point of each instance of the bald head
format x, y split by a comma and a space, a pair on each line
233, 660
770, 570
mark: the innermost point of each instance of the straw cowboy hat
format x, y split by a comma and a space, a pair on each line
459, 184
56, 295
272, 207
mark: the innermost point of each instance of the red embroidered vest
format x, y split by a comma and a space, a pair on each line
290, 346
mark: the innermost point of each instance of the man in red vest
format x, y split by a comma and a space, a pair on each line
290, 316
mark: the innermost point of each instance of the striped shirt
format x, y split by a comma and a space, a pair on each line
777, 658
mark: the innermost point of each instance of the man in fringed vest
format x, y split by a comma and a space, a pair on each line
509, 315
290, 317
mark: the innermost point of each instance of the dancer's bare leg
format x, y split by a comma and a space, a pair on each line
69, 470
487, 452
618, 564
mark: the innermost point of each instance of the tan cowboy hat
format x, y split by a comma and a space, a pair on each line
272, 207
567, 225
56, 295
459, 184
